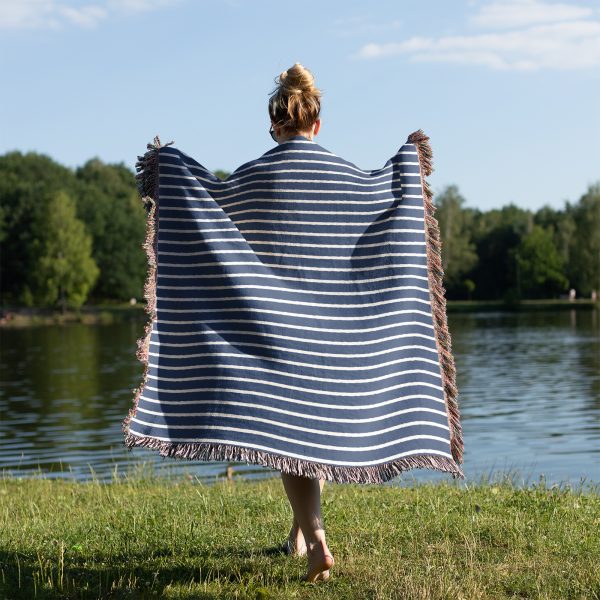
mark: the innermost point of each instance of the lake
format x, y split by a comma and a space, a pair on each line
529, 395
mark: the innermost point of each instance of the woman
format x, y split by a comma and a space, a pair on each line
298, 316
294, 108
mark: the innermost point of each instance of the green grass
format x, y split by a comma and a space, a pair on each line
153, 537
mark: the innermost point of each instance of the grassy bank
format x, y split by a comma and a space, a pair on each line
155, 538
116, 312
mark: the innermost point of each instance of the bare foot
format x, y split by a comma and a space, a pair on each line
320, 560
295, 544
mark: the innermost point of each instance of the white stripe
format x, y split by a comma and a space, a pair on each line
311, 341
291, 413
274, 232
337, 223
386, 172
306, 443
291, 350
256, 369
318, 223
298, 267
284, 425
303, 280
286, 362
265, 161
289, 191
282, 289
290, 387
292, 302
282, 399
284, 201
297, 315
276, 211
294, 244
256, 164
289, 325
270, 180
287, 255
210, 276
353, 463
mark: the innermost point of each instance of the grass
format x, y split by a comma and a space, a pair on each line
148, 536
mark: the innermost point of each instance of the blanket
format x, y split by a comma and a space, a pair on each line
297, 317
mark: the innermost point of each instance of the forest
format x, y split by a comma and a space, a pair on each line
70, 237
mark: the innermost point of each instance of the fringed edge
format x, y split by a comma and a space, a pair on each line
147, 180
438, 299
219, 452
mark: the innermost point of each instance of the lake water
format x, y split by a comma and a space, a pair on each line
529, 395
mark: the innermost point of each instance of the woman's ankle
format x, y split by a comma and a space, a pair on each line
316, 541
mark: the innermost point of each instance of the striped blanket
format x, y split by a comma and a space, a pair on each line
297, 317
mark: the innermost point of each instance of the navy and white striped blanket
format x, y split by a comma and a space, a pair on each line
297, 315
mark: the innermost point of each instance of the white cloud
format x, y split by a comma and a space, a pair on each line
138, 5
55, 14
552, 36
519, 13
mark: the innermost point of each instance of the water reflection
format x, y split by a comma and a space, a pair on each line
529, 388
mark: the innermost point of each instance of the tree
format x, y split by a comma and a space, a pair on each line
497, 233
25, 179
584, 252
540, 264
109, 205
458, 250
221, 174
65, 270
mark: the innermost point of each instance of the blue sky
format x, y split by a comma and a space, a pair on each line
507, 90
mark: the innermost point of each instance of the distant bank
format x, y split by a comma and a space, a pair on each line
110, 313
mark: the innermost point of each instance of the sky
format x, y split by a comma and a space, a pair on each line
507, 90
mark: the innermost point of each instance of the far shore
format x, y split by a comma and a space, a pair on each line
106, 313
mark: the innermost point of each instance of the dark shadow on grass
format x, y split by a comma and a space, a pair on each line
26, 576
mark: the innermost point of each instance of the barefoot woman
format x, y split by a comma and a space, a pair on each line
294, 109
298, 316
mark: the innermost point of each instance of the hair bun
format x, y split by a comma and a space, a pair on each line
297, 80
295, 103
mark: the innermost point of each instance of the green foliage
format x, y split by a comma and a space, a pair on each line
584, 247
25, 181
64, 270
221, 174
458, 250
540, 266
508, 253
110, 206
497, 233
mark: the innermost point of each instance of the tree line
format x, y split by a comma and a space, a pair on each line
74, 236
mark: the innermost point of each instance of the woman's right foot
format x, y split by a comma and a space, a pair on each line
320, 560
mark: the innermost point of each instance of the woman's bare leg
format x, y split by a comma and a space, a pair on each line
296, 537
304, 495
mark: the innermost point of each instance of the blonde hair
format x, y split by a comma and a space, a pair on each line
295, 104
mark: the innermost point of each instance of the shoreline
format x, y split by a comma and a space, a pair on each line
102, 314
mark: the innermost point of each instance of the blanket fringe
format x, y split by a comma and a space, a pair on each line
438, 299
219, 452
147, 185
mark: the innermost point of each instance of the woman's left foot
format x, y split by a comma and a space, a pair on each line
295, 544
